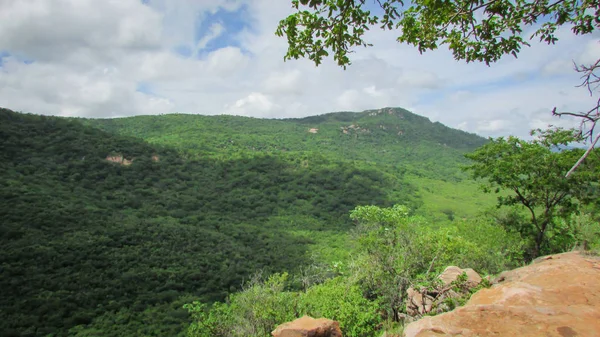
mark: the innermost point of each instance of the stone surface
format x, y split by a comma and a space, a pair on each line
555, 296
308, 327
425, 301
451, 273
418, 303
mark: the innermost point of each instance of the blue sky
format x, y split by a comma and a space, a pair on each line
111, 59
232, 23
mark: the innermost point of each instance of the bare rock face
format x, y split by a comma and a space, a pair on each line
308, 327
557, 296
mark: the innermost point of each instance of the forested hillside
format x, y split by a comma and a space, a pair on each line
391, 136
110, 226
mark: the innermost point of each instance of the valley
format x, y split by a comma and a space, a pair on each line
110, 226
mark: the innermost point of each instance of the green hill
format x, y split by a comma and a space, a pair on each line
392, 140
391, 136
109, 226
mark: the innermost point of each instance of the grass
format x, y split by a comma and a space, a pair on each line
444, 200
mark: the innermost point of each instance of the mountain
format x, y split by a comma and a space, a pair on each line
110, 226
391, 136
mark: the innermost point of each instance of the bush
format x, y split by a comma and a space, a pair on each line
340, 300
397, 250
262, 305
578, 231
253, 312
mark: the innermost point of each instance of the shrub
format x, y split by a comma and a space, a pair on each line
340, 300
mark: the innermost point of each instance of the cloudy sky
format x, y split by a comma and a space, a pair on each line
114, 58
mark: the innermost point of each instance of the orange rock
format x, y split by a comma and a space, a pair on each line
557, 296
308, 327
451, 273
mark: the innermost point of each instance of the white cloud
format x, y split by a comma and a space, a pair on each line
226, 61
284, 82
116, 58
52, 30
254, 104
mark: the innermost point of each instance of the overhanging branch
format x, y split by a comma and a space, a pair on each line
590, 118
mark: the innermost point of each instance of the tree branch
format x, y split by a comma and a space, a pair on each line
587, 153
590, 118
525, 203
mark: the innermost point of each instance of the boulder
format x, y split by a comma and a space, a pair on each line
556, 296
308, 327
425, 301
451, 273
418, 303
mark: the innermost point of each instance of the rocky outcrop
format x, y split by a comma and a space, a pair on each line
557, 295
308, 327
435, 300
119, 159
353, 128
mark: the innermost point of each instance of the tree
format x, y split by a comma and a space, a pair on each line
533, 172
396, 250
474, 30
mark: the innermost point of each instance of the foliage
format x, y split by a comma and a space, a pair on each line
472, 30
444, 199
578, 231
253, 312
90, 245
395, 250
341, 300
262, 305
400, 250
392, 139
534, 172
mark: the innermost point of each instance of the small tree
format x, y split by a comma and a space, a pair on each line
398, 251
534, 173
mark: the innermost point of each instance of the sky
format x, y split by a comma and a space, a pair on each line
117, 58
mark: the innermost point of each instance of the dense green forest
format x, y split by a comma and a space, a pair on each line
109, 227
390, 136
89, 243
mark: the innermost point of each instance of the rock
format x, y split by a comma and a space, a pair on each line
308, 327
558, 296
451, 273
428, 301
404, 318
418, 303
119, 159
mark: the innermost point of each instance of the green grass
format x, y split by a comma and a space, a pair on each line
441, 199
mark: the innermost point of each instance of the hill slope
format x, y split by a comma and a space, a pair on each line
392, 140
109, 226
108, 235
390, 136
